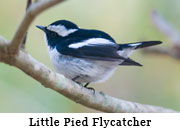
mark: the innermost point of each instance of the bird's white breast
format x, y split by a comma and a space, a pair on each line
88, 70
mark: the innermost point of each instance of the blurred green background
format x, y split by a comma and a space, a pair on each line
157, 83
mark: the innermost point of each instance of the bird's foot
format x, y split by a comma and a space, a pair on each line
90, 88
85, 86
75, 78
80, 84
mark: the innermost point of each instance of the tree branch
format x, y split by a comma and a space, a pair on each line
165, 28
29, 2
31, 14
25, 62
171, 33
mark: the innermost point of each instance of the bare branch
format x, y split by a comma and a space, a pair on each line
32, 12
29, 2
73, 91
162, 51
3, 41
172, 52
171, 33
166, 28
57, 82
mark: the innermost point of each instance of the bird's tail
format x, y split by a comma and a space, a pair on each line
138, 45
125, 50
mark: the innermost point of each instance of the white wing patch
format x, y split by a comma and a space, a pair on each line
126, 52
135, 44
91, 42
61, 30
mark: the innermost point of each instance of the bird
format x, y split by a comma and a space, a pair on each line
87, 55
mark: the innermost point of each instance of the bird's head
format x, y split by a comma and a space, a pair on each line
58, 30
62, 28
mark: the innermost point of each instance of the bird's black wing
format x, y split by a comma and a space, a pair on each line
96, 52
91, 44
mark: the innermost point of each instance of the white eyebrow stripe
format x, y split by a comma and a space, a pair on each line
91, 42
61, 30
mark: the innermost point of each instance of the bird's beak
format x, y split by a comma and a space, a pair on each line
41, 27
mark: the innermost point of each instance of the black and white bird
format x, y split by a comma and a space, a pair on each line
85, 55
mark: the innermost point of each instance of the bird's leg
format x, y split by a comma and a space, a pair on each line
86, 85
75, 78
89, 87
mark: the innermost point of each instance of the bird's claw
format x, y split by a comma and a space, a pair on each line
92, 89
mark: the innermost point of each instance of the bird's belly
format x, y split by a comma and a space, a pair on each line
86, 70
